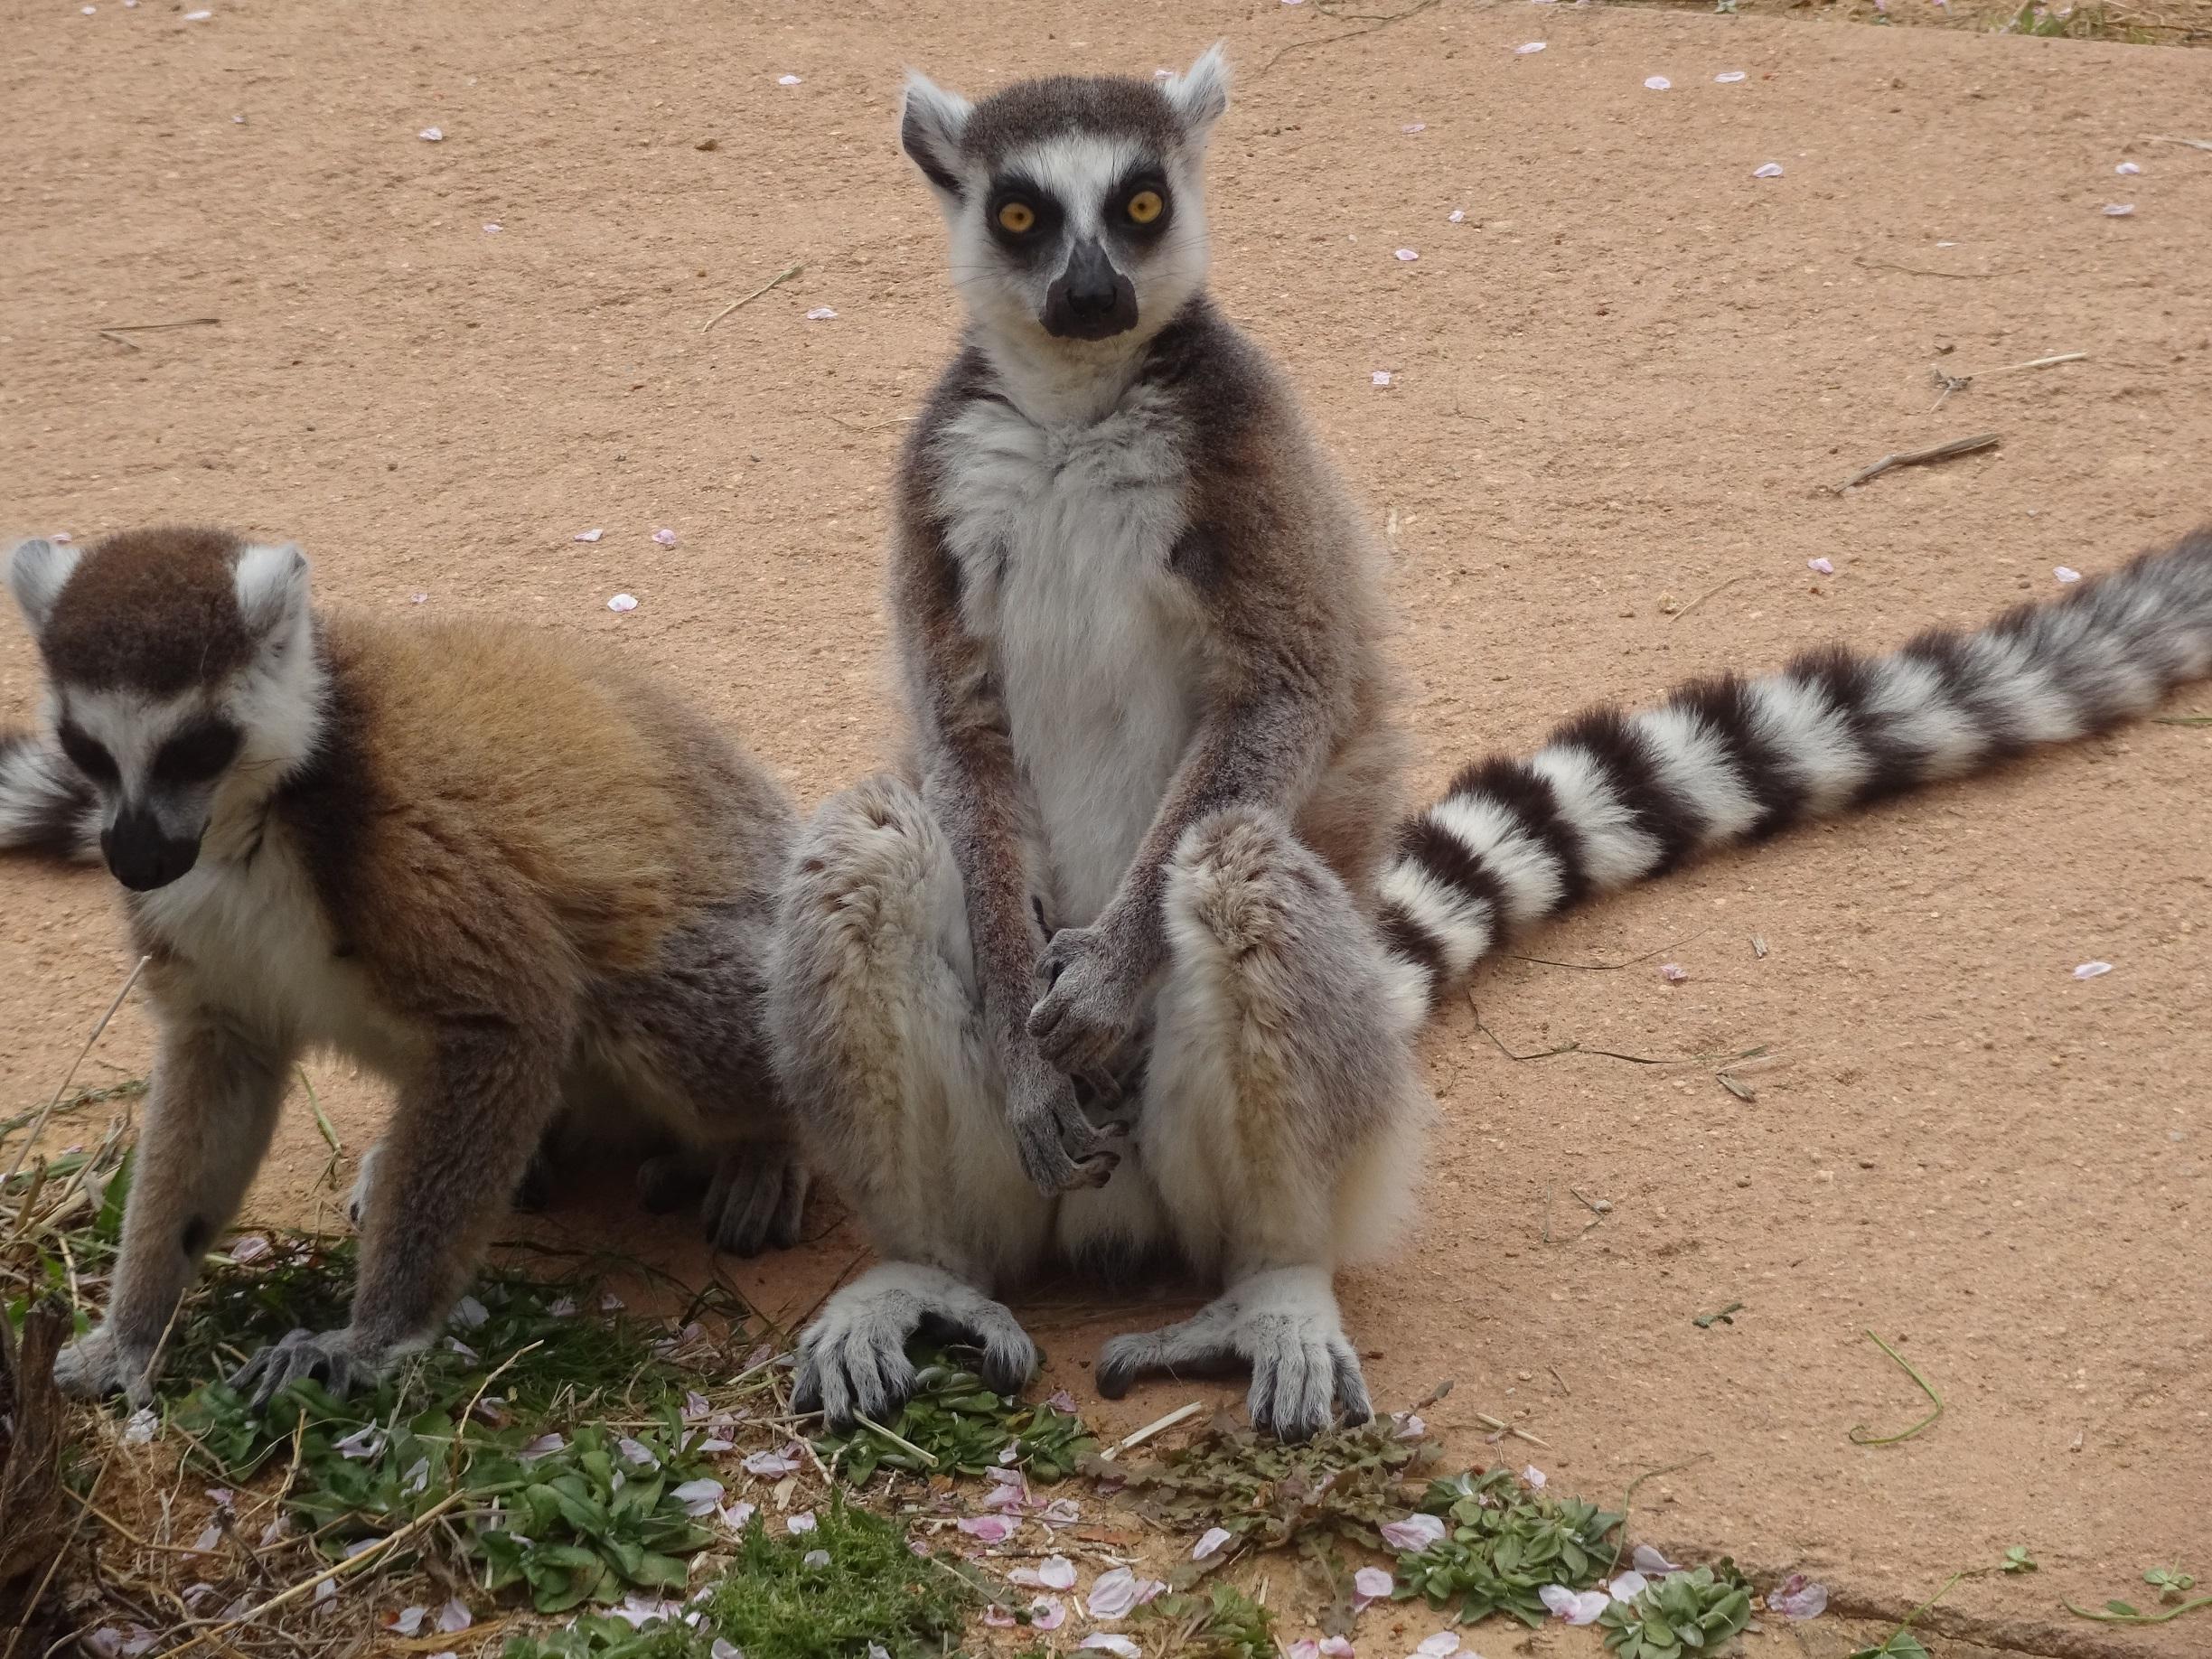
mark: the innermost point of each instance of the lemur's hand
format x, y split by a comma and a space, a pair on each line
1087, 1003
1060, 1150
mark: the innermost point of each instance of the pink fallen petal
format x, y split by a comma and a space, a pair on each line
1673, 973
1523, 51
544, 1445
561, 1307
1060, 1399
1576, 1609
1209, 1543
198, 16
1163, 74
325, 1591
2127, 169
1057, 1573
418, 598
1458, 216
990, 1529
1060, 1512
1627, 1587
665, 538
1047, 1613
1306, 1648
454, 1616
1382, 376
787, 80
1409, 1427
251, 1248
700, 1497
637, 1453
1728, 78
589, 535
208, 1540
1413, 1532
821, 314
1372, 1584
1798, 1598
455, 1345
815, 1558
1441, 1645
999, 1618
493, 226
1767, 170
1535, 1476
1407, 255
363, 1443
623, 602
407, 1621
432, 135
2118, 209
1410, 128
63, 537
1656, 83
1113, 1595
1824, 566
804, 1522
1008, 1500
2091, 970
1103, 1642
1336, 1648
724, 1648
2068, 576
1649, 1560
608, 1301
771, 1463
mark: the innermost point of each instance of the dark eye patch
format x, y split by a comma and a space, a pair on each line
88, 755
1040, 235
1134, 182
196, 753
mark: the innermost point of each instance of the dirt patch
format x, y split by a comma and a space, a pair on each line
1619, 384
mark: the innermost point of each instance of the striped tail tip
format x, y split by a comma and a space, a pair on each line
1615, 798
46, 807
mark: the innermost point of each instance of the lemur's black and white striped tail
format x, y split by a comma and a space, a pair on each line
45, 804
1615, 798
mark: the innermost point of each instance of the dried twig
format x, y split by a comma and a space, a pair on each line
928, 1458
1380, 23
1498, 1427
1702, 598
781, 277
1861, 1437
1158, 1425
1960, 382
2194, 144
1920, 457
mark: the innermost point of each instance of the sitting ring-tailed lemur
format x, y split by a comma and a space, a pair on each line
1146, 846
513, 883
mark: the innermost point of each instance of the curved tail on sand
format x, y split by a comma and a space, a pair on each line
1616, 798
45, 805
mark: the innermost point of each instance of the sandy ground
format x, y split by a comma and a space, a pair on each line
1620, 386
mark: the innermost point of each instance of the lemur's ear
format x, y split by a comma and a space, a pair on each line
38, 571
1200, 94
930, 127
272, 587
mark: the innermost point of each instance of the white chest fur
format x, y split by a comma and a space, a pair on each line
1063, 533
254, 936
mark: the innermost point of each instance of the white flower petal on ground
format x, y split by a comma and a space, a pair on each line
1408, 255
1410, 128
1728, 78
700, 1497
1824, 566
417, 1478
638, 1611
2093, 970
1382, 376
407, 1621
141, 1429
665, 538
1767, 170
454, 1616
735, 1516
1209, 1543
1648, 1560
277, 1530
2068, 576
432, 135
1576, 1609
1113, 1595
364, 1442
1656, 83
1673, 973
544, 1445
637, 1452
773, 1462
1047, 1613
1799, 1598
1441, 1645
198, 16
999, 1618
623, 602
208, 1540
592, 535
804, 1522
455, 1345
821, 314
1306, 1647
1524, 50
251, 1248
2127, 169
1057, 1573
695, 1405
815, 1558
724, 1648
2118, 209
1627, 1587
493, 226
1372, 1584
561, 1307
1340, 1647
1060, 1512
1414, 1532
1104, 1642
1410, 1426
1060, 1399
787, 80
469, 1313
990, 1529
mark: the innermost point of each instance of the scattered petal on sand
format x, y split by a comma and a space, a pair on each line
1798, 1598
1104, 1642
251, 1248
1060, 1399
2068, 576
1458, 216
1728, 78
2118, 209
1408, 255
1441, 1645
700, 1497
198, 16
1524, 50
1372, 1584
1535, 1476
1767, 170
623, 602
804, 1522
366, 1441
1060, 1512
418, 598
990, 1529
1650, 1561
469, 1313
1656, 83
1118, 1590
734, 1516
999, 1618
1340, 1647
787, 80
589, 535
1627, 1587
61, 536
2127, 169
664, 538
2091, 970
1413, 1532
1824, 566
1163, 74
1410, 1426
1047, 1613
773, 1462
141, 1429
1057, 1573
695, 1405
815, 1558
407, 1621
1304, 1648
821, 314
493, 226
1410, 128
1209, 1543
1382, 376
1673, 973
432, 135
1576, 1609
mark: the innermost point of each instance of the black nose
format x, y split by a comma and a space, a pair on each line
141, 855
1090, 300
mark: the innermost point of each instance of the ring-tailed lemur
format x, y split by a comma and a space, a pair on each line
514, 883
1146, 838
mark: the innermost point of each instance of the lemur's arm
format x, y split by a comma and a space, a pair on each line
973, 785
1280, 695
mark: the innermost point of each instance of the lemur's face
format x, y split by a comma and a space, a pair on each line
181, 671
1075, 205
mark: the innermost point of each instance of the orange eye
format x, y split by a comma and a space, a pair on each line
1145, 206
1017, 217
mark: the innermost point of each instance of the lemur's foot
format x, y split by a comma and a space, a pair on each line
99, 1364
852, 1361
334, 1358
757, 1199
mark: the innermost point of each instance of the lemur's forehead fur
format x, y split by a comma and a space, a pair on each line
1113, 110
152, 610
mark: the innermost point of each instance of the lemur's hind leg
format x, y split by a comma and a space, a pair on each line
1281, 1115
881, 1048
533, 1193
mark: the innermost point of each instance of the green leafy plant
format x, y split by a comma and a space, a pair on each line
1682, 1612
1221, 1622
1506, 1545
2017, 1560
2173, 1591
954, 1424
